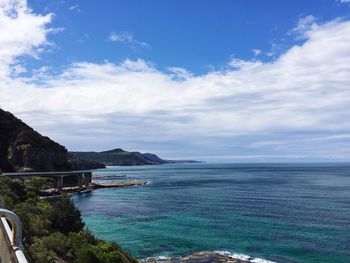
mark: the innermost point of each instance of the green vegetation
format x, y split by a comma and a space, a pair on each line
29, 150
53, 230
118, 157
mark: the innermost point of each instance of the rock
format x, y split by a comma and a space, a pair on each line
199, 257
118, 184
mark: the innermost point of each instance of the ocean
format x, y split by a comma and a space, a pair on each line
279, 212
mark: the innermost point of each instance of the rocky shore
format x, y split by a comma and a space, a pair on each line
207, 257
109, 176
118, 184
53, 192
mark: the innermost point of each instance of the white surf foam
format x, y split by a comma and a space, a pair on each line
261, 260
226, 253
243, 257
233, 255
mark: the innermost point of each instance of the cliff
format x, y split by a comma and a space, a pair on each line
23, 149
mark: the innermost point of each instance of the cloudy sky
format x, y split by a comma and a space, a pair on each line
209, 80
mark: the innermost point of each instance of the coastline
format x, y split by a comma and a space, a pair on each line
69, 191
207, 257
175, 216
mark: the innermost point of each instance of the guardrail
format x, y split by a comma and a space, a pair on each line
11, 247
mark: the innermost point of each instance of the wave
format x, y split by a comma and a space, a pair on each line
243, 257
212, 256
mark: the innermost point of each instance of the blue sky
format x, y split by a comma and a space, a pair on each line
196, 35
209, 80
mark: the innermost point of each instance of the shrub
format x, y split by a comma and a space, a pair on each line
35, 184
65, 216
53, 231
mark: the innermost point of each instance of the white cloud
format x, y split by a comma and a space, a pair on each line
133, 103
305, 25
344, 1
75, 8
257, 52
180, 73
127, 38
23, 33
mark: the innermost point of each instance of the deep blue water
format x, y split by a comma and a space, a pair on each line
281, 212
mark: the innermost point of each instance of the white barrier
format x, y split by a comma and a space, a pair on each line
11, 248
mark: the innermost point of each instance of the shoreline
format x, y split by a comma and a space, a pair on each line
75, 190
118, 184
109, 176
207, 257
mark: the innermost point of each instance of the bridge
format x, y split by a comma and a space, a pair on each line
84, 178
11, 248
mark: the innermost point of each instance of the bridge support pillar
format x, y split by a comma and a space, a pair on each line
59, 183
90, 178
87, 179
80, 180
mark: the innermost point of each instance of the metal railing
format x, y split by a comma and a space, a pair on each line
11, 247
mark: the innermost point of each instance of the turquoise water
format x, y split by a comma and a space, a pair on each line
281, 212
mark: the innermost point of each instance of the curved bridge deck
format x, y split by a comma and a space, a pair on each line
84, 178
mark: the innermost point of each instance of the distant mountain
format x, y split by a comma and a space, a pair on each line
24, 149
82, 164
121, 157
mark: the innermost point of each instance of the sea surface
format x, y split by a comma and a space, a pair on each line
280, 212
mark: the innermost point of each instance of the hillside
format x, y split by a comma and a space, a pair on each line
118, 157
24, 149
121, 157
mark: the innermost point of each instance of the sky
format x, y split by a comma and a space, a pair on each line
217, 81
